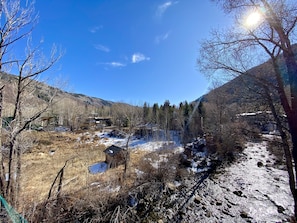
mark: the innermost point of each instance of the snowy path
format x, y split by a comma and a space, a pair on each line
244, 192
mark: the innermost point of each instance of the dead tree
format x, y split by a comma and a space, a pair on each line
17, 23
130, 117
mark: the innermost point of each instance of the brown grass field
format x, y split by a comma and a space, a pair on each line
41, 164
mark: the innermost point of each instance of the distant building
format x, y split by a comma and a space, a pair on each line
147, 131
96, 123
263, 120
115, 156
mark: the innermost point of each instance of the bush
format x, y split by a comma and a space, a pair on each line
227, 144
160, 166
275, 147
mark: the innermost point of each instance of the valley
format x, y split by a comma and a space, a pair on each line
241, 191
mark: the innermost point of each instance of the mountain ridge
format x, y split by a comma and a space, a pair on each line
40, 93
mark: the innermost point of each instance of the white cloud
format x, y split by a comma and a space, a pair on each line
113, 64
95, 29
138, 57
102, 48
116, 64
162, 37
161, 9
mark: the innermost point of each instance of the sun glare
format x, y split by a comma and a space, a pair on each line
253, 19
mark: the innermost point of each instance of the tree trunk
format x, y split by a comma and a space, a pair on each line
294, 152
127, 157
17, 175
292, 114
287, 152
9, 191
293, 130
290, 107
2, 171
291, 65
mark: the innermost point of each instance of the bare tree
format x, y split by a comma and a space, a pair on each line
131, 117
71, 113
226, 134
264, 29
218, 112
17, 23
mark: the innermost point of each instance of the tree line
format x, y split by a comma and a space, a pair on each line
185, 118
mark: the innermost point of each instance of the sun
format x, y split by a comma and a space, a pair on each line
253, 19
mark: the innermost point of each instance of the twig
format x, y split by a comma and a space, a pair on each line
115, 215
60, 173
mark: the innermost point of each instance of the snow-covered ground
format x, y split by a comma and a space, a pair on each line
134, 143
251, 190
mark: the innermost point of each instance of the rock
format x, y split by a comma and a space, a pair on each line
230, 202
259, 164
280, 209
226, 212
189, 208
171, 186
186, 163
219, 203
244, 215
182, 212
238, 193
208, 214
197, 199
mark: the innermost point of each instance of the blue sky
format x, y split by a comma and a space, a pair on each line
131, 51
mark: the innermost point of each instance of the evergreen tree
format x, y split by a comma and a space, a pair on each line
146, 113
155, 115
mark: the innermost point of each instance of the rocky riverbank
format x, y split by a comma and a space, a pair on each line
250, 190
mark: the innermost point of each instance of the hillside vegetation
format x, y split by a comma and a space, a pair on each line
41, 93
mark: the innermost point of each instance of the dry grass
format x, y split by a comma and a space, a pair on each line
42, 163
85, 197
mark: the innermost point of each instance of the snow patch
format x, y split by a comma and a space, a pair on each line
98, 168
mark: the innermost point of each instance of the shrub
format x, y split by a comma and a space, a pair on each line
160, 166
227, 144
275, 147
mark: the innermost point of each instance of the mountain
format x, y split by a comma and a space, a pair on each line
242, 91
40, 93
245, 92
